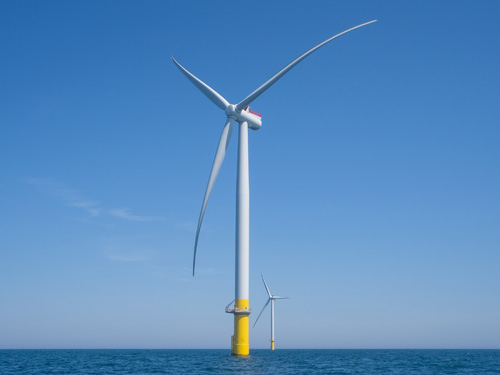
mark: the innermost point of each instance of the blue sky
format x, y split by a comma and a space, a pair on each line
374, 178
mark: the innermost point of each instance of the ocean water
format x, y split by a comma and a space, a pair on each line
386, 362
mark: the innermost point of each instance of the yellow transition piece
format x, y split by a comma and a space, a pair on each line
239, 341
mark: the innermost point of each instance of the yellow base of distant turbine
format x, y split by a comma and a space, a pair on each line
272, 344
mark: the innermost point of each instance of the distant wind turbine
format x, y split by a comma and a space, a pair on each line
271, 299
246, 118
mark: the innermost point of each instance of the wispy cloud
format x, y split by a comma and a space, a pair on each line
68, 196
73, 198
91, 207
124, 213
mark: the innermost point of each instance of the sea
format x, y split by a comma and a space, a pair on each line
193, 362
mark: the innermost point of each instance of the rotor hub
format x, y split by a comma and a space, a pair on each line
254, 120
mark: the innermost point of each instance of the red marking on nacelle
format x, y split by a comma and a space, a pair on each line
247, 108
255, 113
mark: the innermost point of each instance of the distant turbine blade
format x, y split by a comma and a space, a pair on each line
219, 158
254, 95
261, 311
267, 288
209, 92
276, 297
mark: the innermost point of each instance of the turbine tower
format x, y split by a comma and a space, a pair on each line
271, 299
246, 119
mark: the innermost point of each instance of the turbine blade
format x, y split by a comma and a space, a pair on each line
261, 311
267, 288
276, 297
219, 158
254, 95
209, 92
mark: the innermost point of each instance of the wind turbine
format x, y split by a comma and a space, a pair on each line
246, 118
271, 299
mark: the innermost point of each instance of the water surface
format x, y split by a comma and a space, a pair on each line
179, 362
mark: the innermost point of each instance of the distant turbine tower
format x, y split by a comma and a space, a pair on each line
246, 118
271, 299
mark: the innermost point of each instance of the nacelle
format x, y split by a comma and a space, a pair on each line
253, 119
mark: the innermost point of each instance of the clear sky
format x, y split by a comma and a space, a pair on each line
374, 178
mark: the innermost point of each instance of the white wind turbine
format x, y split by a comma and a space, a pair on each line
246, 118
271, 299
